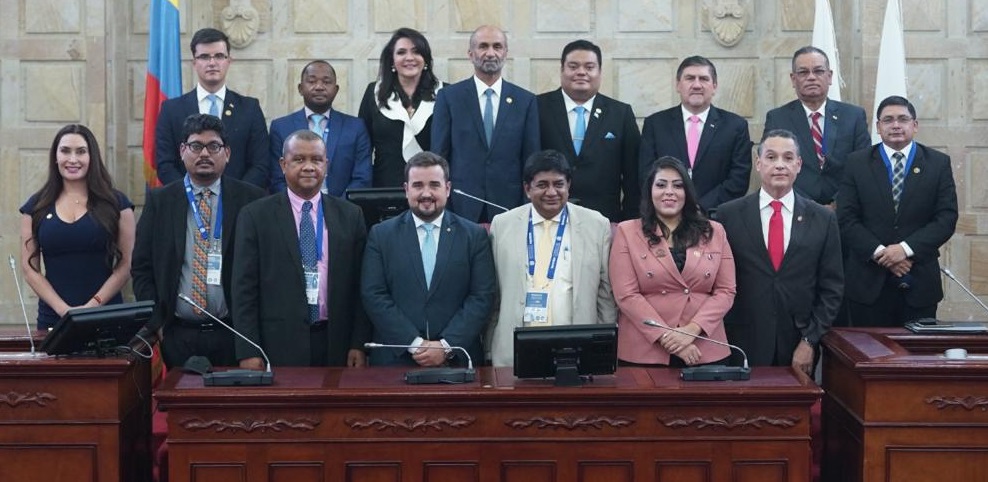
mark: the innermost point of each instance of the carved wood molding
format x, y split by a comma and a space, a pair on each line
410, 424
14, 399
570, 423
730, 422
967, 403
249, 425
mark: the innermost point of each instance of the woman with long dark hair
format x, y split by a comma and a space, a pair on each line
397, 108
79, 227
672, 266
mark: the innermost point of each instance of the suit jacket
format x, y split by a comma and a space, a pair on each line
593, 302
926, 220
605, 174
775, 309
723, 158
269, 304
347, 148
159, 248
845, 131
493, 173
246, 135
457, 304
648, 286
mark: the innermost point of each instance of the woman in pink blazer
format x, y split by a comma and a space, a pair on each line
673, 266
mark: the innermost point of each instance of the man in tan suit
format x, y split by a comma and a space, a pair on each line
558, 275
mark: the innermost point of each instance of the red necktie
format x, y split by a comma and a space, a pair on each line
775, 239
817, 134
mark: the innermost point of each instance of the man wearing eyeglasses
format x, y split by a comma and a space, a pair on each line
242, 116
185, 245
827, 130
898, 205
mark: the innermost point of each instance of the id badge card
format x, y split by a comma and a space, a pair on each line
536, 308
312, 286
214, 265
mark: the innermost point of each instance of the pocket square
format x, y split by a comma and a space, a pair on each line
610, 135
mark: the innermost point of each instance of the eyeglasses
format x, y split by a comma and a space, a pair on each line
902, 119
206, 57
818, 72
197, 147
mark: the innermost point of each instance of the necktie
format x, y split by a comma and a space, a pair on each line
214, 105
429, 253
489, 116
693, 139
898, 178
543, 251
201, 251
317, 125
817, 134
580, 129
307, 248
775, 236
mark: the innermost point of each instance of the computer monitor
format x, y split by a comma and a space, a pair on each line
98, 331
378, 203
567, 353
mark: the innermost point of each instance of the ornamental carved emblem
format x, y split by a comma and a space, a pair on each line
240, 22
727, 20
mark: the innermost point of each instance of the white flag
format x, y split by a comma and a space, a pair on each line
891, 78
825, 40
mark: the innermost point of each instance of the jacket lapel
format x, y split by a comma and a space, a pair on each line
831, 126
753, 222
227, 235
798, 229
709, 132
288, 230
333, 135
448, 232
880, 179
580, 249
179, 220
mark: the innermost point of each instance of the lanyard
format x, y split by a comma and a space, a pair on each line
555, 247
888, 162
201, 223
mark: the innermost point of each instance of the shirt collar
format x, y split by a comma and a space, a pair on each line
482, 87
538, 219
309, 112
687, 114
435, 222
571, 104
788, 200
905, 150
822, 110
296, 200
214, 187
201, 93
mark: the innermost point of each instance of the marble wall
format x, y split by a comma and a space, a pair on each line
84, 61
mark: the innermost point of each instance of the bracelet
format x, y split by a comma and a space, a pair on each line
99, 300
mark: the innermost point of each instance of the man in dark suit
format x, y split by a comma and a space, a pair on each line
241, 115
898, 205
828, 130
788, 259
296, 272
428, 275
347, 143
486, 128
180, 224
713, 143
597, 132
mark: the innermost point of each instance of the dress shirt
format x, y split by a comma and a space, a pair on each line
323, 265
561, 287
823, 119
686, 122
482, 98
765, 210
205, 104
436, 233
215, 300
571, 113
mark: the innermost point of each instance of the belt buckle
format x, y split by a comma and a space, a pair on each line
207, 326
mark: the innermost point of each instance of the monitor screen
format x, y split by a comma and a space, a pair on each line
378, 203
98, 330
565, 353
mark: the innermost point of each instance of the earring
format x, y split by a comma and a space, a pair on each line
393, 68
425, 68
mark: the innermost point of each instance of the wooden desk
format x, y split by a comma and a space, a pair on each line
79, 420
896, 410
367, 425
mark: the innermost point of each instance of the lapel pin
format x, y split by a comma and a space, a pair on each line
648, 274
915, 170
449, 230
711, 126
48, 216
710, 256
706, 275
833, 117
799, 219
645, 256
228, 112
509, 100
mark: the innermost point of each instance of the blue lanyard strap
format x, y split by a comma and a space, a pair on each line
888, 162
201, 223
563, 220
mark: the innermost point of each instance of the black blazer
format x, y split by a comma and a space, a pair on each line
926, 220
246, 135
269, 304
845, 131
605, 174
723, 158
773, 310
159, 248
455, 307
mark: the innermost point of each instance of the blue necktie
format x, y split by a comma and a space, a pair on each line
429, 253
317, 125
214, 105
307, 247
489, 116
580, 130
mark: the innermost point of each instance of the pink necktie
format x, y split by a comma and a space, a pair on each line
775, 235
693, 138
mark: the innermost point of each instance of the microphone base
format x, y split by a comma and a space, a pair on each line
715, 373
237, 378
440, 375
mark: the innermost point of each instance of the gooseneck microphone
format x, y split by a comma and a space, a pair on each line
950, 275
239, 376
435, 375
710, 372
20, 296
475, 198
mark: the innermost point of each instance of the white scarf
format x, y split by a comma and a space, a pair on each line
413, 124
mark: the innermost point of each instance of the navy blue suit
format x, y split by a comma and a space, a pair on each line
348, 149
456, 307
491, 173
246, 135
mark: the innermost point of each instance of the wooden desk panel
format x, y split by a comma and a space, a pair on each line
366, 424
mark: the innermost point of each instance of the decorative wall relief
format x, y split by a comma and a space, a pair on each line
240, 22
727, 20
